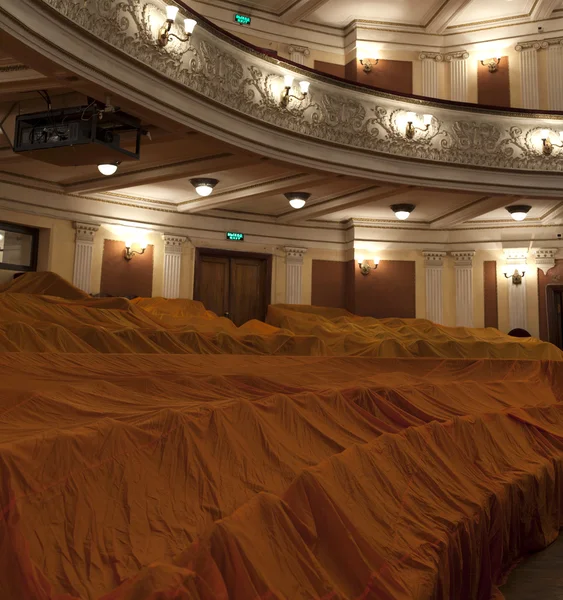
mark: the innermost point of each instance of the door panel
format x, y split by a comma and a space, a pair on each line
248, 290
212, 283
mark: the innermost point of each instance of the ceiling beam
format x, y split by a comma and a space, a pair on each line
301, 9
194, 167
440, 21
543, 9
475, 209
249, 191
328, 205
554, 215
20, 86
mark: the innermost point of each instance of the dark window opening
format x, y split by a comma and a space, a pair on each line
18, 247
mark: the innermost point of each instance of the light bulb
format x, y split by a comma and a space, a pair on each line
304, 85
128, 244
297, 203
171, 12
189, 25
561, 135
427, 119
288, 81
144, 245
544, 134
107, 169
360, 258
376, 260
411, 117
204, 189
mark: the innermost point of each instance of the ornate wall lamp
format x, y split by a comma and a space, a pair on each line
164, 33
412, 128
368, 64
129, 253
364, 264
287, 96
515, 275
548, 145
492, 64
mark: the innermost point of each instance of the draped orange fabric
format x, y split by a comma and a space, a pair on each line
306, 458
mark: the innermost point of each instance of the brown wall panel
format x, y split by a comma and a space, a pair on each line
392, 75
554, 276
490, 289
494, 88
389, 291
122, 277
330, 68
329, 283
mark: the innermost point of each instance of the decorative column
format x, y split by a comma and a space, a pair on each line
430, 61
293, 274
434, 263
172, 265
83, 252
458, 70
555, 73
529, 73
545, 258
517, 304
464, 288
298, 54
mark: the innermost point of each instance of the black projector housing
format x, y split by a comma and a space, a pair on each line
76, 136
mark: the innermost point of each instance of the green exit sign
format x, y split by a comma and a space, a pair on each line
234, 236
242, 19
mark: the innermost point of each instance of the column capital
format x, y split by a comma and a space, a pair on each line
463, 258
435, 56
459, 55
531, 45
293, 49
173, 243
516, 256
295, 254
433, 258
85, 232
545, 258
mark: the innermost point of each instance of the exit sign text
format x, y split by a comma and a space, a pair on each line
242, 19
235, 236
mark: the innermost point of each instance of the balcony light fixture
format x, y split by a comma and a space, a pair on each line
164, 33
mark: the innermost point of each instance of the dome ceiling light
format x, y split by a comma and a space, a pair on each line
204, 186
402, 211
164, 34
297, 199
108, 169
519, 211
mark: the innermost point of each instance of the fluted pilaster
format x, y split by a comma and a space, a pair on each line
555, 74
298, 54
430, 62
172, 265
434, 264
458, 70
294, 274
83, 253
517, 303
464, 288
529, 73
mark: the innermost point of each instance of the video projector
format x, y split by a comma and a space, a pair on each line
78, 136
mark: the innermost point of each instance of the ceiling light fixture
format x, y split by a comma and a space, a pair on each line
519, 211
297, 199
492, 64
402, 211
108, 169
204, 187
411, 129
287, 96
548, 145
164, 34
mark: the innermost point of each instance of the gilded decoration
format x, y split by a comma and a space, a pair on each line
216, 67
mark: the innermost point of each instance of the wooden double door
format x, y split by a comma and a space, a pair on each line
233, 284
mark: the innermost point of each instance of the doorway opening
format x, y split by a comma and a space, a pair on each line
554, 302
232, 284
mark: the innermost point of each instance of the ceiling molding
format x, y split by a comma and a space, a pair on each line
544, 9
439, 23
347, 201
301, 9
472, 211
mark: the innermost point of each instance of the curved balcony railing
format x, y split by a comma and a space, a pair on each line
237, 79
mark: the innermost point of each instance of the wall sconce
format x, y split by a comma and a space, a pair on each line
164, 33
516, 276
364, 265
548, 145
129, 253
492, 64
368, 64
287, 95
412, 128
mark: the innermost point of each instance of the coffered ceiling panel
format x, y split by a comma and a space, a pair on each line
339, 13
484, 10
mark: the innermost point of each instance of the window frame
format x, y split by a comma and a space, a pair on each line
34, 233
